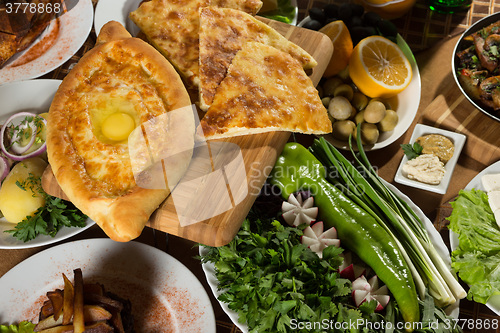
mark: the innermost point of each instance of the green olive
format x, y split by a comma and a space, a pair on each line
389, 122
344, 74
344, 90
342, 129
369, 133
359, 117
340, 108
326, 101
359, 100
374, 112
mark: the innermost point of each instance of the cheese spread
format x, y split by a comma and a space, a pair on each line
438, 145
426, 168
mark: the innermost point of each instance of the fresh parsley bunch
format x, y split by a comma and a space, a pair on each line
274, 282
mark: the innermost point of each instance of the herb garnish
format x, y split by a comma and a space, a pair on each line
49, 219
412, 151
271, 279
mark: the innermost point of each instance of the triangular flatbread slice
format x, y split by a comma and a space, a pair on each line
265, 90
172, 27
122, 80
223, 31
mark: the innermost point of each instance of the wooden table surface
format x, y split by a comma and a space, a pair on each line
433, 51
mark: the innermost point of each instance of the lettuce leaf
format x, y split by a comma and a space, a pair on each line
480, 271
23, 327
474, 222
477, 257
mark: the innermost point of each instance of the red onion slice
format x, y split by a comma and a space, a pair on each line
4, 168
15, 154
16, 147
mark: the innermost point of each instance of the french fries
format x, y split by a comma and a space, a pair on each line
81, 308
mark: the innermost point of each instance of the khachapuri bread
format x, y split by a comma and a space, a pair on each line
265, 90
119, 89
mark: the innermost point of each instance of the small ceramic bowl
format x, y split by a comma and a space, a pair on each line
458, 141
463, 44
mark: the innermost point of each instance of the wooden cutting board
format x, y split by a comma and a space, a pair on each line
258, 152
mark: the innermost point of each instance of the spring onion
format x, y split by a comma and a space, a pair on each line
362, 184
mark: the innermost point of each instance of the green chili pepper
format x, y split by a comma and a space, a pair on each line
297, 169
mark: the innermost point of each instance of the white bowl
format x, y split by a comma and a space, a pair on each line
405, 104
458, 141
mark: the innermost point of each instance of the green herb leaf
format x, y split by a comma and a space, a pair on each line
269, 277
49, 219
412, 151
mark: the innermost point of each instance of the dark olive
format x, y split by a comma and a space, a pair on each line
345, 12
371, 19
357, 10
387, 28
358, 33
330, 19
355, 21
313, 25
317, 14
331, 11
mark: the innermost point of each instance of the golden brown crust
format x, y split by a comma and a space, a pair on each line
265, 90
113, 31
223, 32
95, 174
172, 27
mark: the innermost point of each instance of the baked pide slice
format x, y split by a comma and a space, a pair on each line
264, 90
172, 27
121, 89
223, 31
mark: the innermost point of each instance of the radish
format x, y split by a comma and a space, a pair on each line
316, 239
297, 211
366, 290
349, 270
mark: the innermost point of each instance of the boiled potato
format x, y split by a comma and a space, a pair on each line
16, 203
342, 129
389, 122
374, 112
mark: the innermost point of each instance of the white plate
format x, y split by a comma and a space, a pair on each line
457, 139
165, 295
75, 26
116, 10
475, 183
33, 96
437, 240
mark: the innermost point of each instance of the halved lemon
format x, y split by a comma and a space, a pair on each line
379, 68
342, 47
